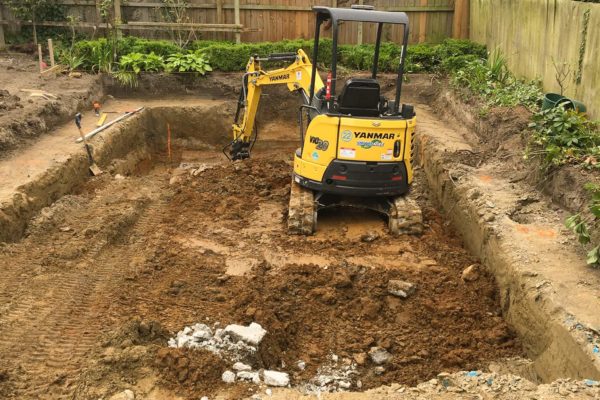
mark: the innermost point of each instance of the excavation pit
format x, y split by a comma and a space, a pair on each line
173, 241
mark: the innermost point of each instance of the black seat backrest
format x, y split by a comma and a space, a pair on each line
360, 97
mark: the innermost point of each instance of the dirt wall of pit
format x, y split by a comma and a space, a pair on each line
482, 201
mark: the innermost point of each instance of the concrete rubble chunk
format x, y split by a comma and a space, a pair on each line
471, 273
400, 288
379, 355
275, 378
228, 377
253, 377
251, 334
124, 395
240, 366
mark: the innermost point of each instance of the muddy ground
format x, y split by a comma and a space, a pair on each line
102, 278
24, 115
213, 247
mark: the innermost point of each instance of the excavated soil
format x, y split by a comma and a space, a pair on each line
105, 275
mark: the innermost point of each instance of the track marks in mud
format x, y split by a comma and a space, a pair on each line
53, 311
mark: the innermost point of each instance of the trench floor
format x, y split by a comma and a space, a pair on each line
166, 248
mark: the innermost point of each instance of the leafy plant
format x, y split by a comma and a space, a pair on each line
493, 82
498, 67
71, 60
194, 61
562, 136
126, 78
138, 62
132, 62
153, 63
578, 223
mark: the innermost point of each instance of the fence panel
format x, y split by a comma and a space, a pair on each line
260, 20
534, 35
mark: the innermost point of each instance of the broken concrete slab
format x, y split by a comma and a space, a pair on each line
251, 334
240, 366
275, 378
250, 376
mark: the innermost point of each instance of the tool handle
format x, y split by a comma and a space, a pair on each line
78, 120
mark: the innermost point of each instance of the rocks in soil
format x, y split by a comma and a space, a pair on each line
369, 237
228, 377
9, 101
275, 378
124, 395
334, 376
400, 288
232, 343
239, 366
379, 355
471, 273
251, 334
249, 376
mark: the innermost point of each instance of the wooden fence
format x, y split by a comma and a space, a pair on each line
257, 20
539, 36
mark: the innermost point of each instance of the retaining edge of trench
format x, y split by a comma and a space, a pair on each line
561, 343
62, 179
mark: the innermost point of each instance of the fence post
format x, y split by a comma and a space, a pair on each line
460, 20
423, 22
219, 11
98, 13
2, 42
51, 52
238, 35
359, 33
118, 19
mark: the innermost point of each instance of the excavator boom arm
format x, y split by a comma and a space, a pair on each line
296, 76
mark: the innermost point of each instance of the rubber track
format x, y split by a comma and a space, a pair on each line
405, 217
301, 213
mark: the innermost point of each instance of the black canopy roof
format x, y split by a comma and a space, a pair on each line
349, 14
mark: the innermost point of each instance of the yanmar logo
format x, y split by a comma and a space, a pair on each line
279, 77
374, 135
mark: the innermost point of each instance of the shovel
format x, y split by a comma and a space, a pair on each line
94, 169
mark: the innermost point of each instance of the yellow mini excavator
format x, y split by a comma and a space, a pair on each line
356, 148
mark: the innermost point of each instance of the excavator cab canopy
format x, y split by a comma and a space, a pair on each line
359, 97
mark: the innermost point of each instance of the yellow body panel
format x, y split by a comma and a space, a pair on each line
353, 139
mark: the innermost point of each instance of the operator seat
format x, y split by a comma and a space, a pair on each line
360, 98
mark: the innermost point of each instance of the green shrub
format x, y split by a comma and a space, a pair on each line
457, 47
492, 81
561, 136
192, 61
227, 56
138, 62
163, 48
